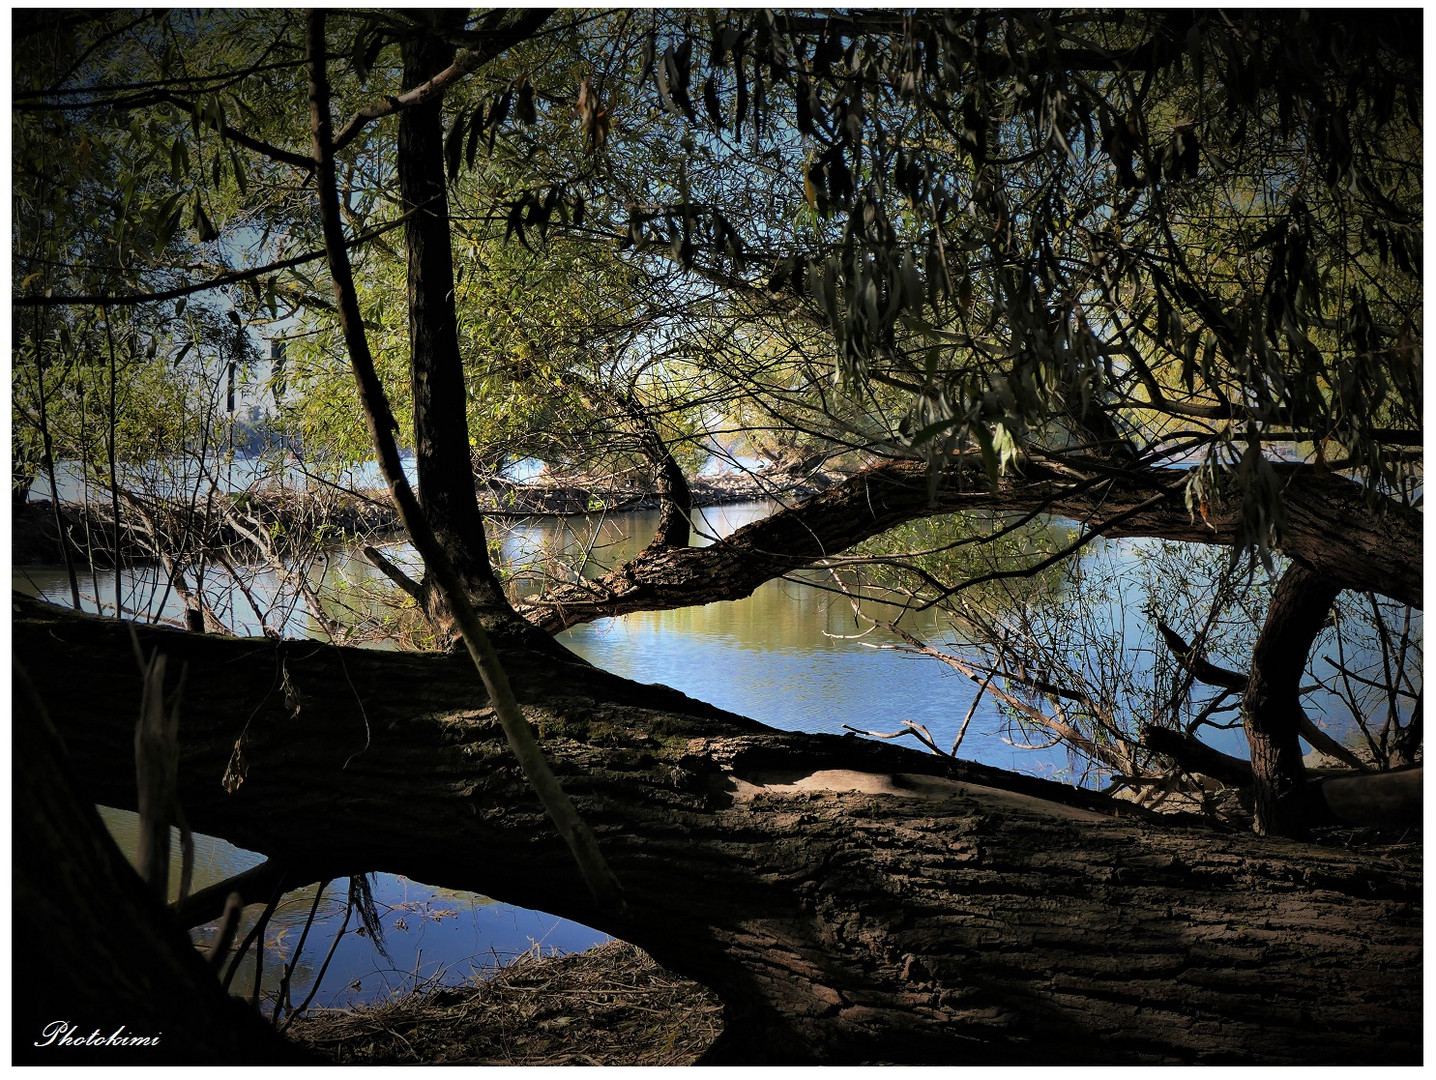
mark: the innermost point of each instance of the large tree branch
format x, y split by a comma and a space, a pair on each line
233, 134
1195, 756
1330, 527
1377, 799
1271, 705
848, 901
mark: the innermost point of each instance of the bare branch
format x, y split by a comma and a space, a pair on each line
466, 62
394, 574
233, 277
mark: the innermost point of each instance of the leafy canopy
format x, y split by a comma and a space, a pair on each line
1160, 236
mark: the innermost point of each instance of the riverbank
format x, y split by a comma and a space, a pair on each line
568, 494
280, 521
611, 1005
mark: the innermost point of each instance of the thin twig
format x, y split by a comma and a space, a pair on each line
283, 996
333, 947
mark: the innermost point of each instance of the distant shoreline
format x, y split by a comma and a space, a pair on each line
353, 515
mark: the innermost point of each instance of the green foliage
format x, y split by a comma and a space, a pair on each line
1190, 236
1180, 222
1139, 236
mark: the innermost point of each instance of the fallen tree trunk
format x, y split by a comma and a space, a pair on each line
129, 989
1330, 529
848, 901
293, 520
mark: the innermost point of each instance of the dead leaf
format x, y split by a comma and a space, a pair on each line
593, 117
235, 770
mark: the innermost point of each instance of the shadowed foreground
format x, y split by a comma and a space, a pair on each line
846, 902
611, 1005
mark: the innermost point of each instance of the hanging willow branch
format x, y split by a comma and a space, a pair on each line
382, 426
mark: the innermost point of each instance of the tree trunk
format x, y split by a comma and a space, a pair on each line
97, 959
441, 425
675, 498
848, 901
1330, 528
1271, 706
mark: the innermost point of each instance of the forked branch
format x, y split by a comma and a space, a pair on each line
382, 426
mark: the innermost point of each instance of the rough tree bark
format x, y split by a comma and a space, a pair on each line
130, 971
1271, 706
847, 901
441, 426
1330, 528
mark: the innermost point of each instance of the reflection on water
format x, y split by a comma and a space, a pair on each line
786, 655
430, 934
792, 654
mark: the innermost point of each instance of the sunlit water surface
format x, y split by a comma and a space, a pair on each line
792, 655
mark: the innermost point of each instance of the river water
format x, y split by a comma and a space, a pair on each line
792, 655
786, 655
